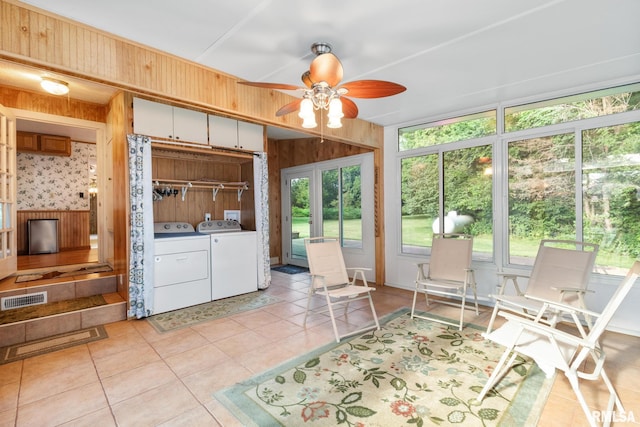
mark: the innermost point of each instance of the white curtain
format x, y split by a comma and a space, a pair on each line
261, 186
141, 236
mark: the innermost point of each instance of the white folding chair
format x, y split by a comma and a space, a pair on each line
554, 349
561, 272
449, 275
329, 278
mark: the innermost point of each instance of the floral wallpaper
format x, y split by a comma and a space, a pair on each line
48, 182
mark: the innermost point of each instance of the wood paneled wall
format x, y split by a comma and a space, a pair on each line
73, 228
50, 104
35, 37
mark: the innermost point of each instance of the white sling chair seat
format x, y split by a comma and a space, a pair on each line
329, 278
449, 275
553, 349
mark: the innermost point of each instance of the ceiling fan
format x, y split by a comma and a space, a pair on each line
322, 90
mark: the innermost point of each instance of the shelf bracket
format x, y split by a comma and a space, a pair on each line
215, 191
184, 190
240, 191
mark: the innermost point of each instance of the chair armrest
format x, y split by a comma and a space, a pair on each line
421, 275
514, 279
576, 290
356, 271
558, 306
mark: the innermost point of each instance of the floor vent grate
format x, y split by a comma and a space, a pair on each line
24, 300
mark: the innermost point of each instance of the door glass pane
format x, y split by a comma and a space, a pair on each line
330, 203
468, 198
351, 203
611, 195
541, 194
419, 193
300, 216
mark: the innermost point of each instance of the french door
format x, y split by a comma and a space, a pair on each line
8, 237
332, 199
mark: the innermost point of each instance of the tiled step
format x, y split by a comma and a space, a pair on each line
42, 327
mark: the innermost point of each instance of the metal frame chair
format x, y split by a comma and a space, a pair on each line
554, 349
449, 275
561, 272
329, 278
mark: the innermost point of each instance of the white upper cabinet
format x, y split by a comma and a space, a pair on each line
250, 136
166, 121
223, 132
230, 133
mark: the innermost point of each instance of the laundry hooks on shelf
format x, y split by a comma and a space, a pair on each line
164, 187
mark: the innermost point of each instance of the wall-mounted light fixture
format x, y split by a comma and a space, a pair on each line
54, 86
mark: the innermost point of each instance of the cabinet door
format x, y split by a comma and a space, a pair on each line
223, 132
152, 118
27, 141
190, 126
56, 145
250, 136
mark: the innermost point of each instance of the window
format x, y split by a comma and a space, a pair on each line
562, 110
611, 194
420, 197
342, 205
450, 130
541, 194
466, 199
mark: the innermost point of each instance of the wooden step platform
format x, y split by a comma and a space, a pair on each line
63, 289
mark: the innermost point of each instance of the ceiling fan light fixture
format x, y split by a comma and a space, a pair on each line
54, 86
335, 113
309, 122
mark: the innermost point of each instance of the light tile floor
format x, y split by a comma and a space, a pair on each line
139, 377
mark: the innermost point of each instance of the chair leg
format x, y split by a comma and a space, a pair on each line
333, 318
462, 307
373, 311
413, 306
309, 296
573, 380
493, 318
614, 400
498, 372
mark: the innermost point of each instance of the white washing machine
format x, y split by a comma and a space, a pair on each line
234, 258
182, 267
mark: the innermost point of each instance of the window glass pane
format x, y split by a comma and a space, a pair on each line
541, 194
561, 110
611, 195
351, 206
419, 195
330, 203
450, 130
468, 197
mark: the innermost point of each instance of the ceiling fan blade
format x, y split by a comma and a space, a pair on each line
349, 108
289, 108
326, 68
271, 85
372, 88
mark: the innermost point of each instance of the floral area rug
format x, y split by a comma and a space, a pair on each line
411, 372
193, 315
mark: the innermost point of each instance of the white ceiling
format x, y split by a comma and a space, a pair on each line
452, 55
